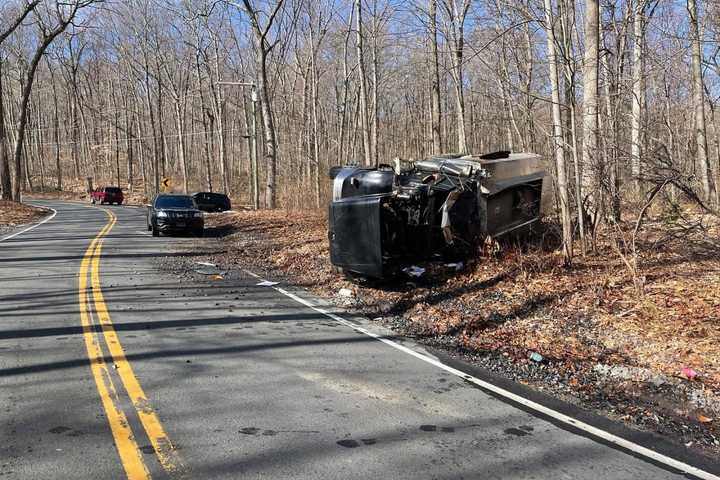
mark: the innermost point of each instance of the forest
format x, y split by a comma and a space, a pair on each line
258, 99
614, 302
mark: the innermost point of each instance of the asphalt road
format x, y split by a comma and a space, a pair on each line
112, 367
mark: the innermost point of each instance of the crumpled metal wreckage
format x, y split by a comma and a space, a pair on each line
384, 219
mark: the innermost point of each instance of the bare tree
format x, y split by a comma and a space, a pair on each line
456, 11
638, 90
590, 90
557, 136
5, 178
367, 149
263, 47
434, 78
50, 24
699, 102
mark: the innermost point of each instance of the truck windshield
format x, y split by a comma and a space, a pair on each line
179, 201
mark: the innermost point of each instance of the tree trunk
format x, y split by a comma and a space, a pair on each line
56, 128
638, 93
457, 41
268, 130
590, 92
558, 135
699, 103
27, 89
435, 81
363, 86
5, 178
129, 146
255, 174
375, 86
314, 112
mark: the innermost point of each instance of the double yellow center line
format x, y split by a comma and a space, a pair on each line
92, 309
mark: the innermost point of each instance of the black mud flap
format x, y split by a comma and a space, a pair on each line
355, 235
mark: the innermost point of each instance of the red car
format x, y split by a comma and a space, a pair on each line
107, 195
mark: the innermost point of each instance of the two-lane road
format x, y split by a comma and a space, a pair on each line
112, 368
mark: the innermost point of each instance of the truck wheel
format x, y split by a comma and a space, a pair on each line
155, 231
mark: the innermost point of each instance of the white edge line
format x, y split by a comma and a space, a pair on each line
46, 219
597, 432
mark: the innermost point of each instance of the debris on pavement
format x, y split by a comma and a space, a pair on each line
206, 264
209, 271
266, 283
500, 308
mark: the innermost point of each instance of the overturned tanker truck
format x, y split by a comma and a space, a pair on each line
383, 219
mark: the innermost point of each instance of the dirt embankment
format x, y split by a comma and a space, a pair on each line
13, 214
634, 336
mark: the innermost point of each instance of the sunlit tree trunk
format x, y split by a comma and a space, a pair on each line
638, 92
590, 93
699, 102
557, 136
435, 80
367, 148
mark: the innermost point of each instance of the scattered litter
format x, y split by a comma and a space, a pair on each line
414, 271
209, 271
456, 265
385, 307
703, 419
536, 357
115, 366
637, 374
266, 283
345, 292
689, 373
216, 277
206, 264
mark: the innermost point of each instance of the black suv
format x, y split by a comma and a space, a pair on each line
212, 202
175, 214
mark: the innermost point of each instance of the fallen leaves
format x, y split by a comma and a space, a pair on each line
704, 419
521, 300
13, 213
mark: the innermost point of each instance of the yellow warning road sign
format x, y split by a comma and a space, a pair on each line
166, 184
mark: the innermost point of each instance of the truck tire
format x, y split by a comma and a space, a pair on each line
155, 231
